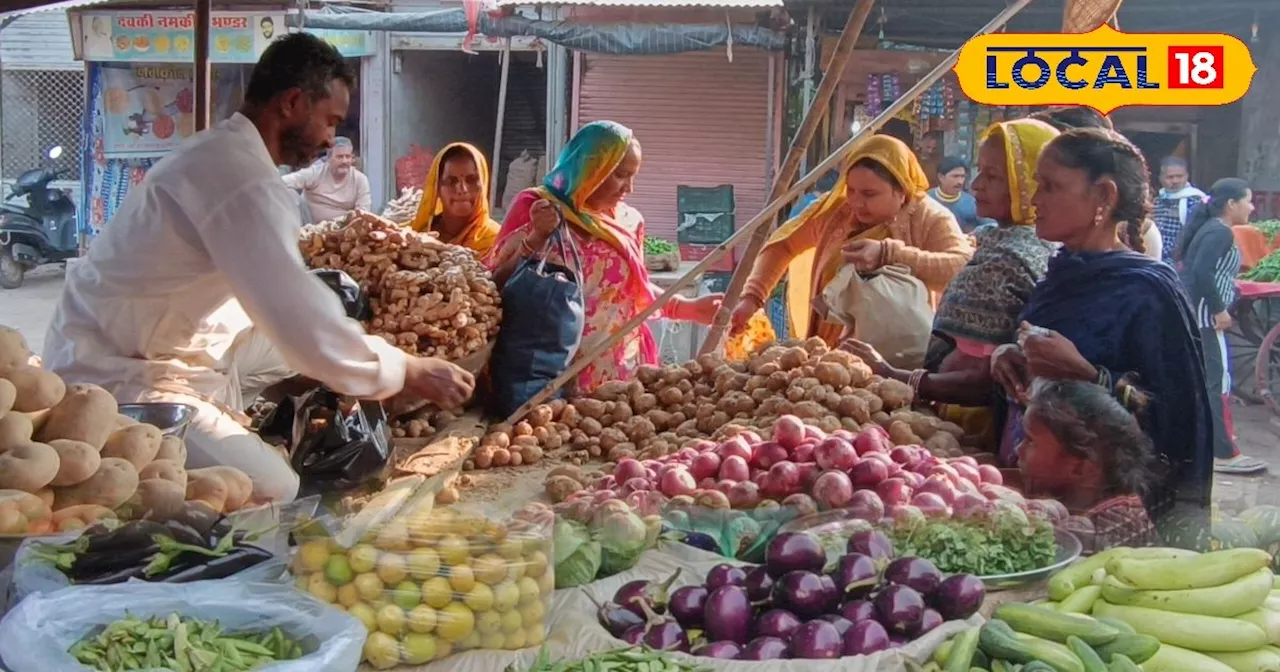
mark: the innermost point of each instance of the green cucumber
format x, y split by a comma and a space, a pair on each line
1054, 625
1266, 619
961, 657
1038, 666
998, 640
1121, 663
1198, 571
1135, 647
1195, 632
1123, 627
1230, 599
1081, 601
1080, 574
999, 665
1090, 658
943, 652
1172, 658
1257, 660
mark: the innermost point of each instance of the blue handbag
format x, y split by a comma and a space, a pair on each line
542, 322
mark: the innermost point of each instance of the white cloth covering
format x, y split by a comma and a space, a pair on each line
203, 249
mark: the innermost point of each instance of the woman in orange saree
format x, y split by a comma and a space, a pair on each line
455, 200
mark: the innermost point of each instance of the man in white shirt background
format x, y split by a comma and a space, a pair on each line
333, 187
196, 292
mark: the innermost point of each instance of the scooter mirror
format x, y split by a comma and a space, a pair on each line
55, 151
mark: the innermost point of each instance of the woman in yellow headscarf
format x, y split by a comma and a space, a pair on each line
979, 310
877, 214
455, 199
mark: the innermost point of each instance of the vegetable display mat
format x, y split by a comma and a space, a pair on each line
575, 633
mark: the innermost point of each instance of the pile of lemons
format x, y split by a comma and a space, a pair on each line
427, 586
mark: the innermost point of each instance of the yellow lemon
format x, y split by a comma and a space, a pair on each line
348, 595
382, 650
479, 598
462, 578
515, 570
391, 619
546, 582
437, 592
455, 622
369, 586
515, 640
363, 558
533, 612
443, 648
511, 621
537, 564
364, 613
406, 595
422, 618
391, 569
505, 596
338, 571
490, 568
394, 536
418, 649
471, 642
492, 641
453, 550
534, 634
511, 548
316, 585
424, 530
528, 590
423, 563
488, 623
313, 554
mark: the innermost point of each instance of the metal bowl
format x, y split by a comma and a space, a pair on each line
1069, 548
172, 419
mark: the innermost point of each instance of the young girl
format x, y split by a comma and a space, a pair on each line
1085, 448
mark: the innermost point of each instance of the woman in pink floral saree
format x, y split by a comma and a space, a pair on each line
586, 188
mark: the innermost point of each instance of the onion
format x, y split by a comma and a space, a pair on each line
708, 483
705, 465
803, 452
735, 446
893, 491
628, 469
872, 439
802, 503
688, 453
939, 485
767, 454
835, 453
712, 499
913, 479
678, 481
734, 468
811, 432
603, 496
931, 505
866, 504
833, 490
789, 431
744, 495
903, 455
990, 474
967, 471
969, 506
868, 473
782, 480
809, 472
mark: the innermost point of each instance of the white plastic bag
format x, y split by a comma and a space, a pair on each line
888, 308
36, 635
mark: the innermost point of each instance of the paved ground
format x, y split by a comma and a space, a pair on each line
1258, 430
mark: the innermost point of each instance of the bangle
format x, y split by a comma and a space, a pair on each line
884, 254
914, 381
526, 249
1104, 379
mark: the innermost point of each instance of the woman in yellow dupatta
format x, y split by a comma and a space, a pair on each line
455, 199
877, 214
979, 310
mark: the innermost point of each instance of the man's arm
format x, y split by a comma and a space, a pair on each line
364, 197
252, 240
304, 179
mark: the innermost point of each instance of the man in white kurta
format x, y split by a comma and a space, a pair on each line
196, 291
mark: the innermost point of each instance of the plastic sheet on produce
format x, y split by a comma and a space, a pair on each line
37, 633
574, 632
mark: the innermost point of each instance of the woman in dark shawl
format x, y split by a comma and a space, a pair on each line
1104, 311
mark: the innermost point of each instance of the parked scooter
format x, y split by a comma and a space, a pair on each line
43, 231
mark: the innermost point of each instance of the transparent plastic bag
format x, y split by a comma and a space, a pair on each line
429, 583
23, 513
37, 634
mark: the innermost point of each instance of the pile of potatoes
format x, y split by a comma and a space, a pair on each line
665, 408
428, 298
68, 446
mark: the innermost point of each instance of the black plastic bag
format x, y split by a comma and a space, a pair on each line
354, 299
335, 443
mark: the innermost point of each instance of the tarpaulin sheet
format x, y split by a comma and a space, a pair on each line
618, 38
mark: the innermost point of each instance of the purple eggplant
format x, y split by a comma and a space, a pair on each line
865, 637
758, 584
857, 610
728, 614
831, 601
871, 543
802, 593
720, 650
765, 648
929, 620
794, 551
687, 604
725, 574
918, 574
667, 636
655, 594
614, 618
898, 641
842, 624
899, 609
816, 640
778, 623
855, 575
958, 597
634, 635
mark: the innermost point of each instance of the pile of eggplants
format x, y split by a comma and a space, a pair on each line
795, 605
196, 545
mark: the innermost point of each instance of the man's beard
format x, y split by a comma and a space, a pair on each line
295, 150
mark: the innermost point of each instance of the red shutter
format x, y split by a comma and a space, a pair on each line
701, 120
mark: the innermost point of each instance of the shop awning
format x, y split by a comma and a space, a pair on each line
610, 38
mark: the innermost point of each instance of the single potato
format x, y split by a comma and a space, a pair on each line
77, 462
37, 389
28, 467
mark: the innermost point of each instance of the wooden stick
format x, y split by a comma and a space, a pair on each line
833, 161
494, 197
818, 106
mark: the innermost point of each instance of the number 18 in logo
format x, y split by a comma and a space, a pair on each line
1195, 67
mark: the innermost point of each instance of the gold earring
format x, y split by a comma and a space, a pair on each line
1097, 217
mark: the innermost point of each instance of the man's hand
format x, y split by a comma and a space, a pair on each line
1222, 321
442, 383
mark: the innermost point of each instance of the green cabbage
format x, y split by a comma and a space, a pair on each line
577, 554
623, 538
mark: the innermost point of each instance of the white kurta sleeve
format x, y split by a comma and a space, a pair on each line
252, 239
364, 195
304, 179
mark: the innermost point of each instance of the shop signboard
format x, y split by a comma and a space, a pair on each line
349, 43
148, 110
168, 36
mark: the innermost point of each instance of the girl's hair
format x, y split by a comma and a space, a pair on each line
458, 152
1091, 424
880, 171
1104, 153
1067, 118
1220, 194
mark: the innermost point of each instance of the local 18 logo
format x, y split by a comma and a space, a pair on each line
1105, 69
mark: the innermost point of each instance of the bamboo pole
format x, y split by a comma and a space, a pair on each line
203, 15
766, 215
813, 116
494, 197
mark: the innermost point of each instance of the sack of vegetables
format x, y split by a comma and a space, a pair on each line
432, 582
208, 625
